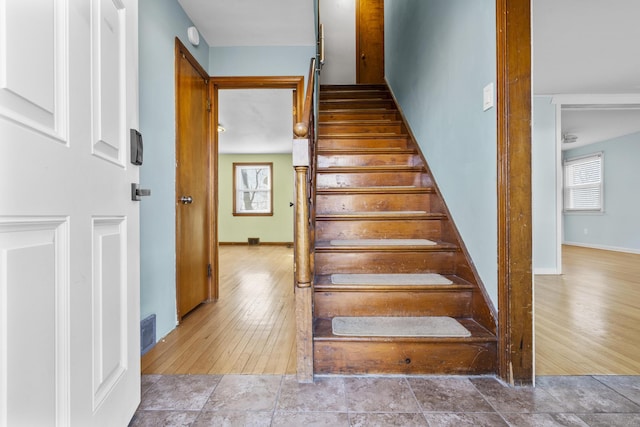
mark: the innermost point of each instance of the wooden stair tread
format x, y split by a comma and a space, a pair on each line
371, 135
374, 168
356, 86
398, 189
362, 135
330, 111
326, 246
323, 332
380, 216
361, 122
323, 283
373, 150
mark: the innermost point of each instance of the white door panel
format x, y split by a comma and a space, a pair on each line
69, 232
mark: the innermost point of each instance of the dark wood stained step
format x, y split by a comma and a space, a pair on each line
371, 176
368, 141
327, 116
353, 94
478, 334
408, 189
453, 302
368, 136
371, 226
323, 283
364, 159
351, 87
373, 199
361, 127
379, 216
331, 104
364, 150
379, 225
370, 169
473, 355
375, 260
325, 246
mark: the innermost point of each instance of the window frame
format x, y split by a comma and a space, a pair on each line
237, 166
566, 188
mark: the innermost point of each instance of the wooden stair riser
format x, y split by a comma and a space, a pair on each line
392, 159
328, 142
326, 88
355, 94
398, 303
333, 104
327, 229
338, 179
328, 116
384, 262
334, 203
407, 358
358, 128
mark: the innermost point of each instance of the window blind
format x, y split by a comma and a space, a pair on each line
583, 183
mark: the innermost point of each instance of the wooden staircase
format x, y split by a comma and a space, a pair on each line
375, 203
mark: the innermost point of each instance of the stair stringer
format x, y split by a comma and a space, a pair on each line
483, 310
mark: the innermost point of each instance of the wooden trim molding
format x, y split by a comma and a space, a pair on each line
515, 308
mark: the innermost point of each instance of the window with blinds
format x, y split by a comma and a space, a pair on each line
583, 184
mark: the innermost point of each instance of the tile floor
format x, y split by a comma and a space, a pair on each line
274, 400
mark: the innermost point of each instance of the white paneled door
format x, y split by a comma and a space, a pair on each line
69, 231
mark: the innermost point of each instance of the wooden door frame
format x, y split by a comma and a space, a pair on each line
295, 83
181, 49
515, 293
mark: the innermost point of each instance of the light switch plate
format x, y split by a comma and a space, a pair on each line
487, 97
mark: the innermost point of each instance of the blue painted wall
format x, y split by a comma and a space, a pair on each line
439, 55
544, 187
618, 227
160, 21
260, 60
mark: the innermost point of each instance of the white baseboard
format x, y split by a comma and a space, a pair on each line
603, 247
546, 271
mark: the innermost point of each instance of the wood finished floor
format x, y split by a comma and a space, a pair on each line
249, 330
587, 321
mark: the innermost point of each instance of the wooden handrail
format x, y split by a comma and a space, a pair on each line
301, 129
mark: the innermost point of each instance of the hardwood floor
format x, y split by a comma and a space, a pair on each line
249, 330
587, 321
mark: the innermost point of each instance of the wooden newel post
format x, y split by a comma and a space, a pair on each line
304, 290
303, 268
303, 257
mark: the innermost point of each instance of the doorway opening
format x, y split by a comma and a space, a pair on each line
250, 327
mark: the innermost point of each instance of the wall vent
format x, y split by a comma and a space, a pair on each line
254, 240
147, 333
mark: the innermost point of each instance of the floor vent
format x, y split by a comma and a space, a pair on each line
254, 240
147, 333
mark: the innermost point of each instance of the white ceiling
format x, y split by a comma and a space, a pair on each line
595, 125
255, 121
253, 22
588, 47
579, 47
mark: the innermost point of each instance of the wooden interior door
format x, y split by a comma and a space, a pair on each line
370, 41
69, 229
193, 213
